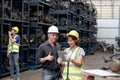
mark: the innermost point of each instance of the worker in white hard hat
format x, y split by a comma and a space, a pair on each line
13, 52
47, 55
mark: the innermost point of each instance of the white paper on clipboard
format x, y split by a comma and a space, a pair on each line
62, 55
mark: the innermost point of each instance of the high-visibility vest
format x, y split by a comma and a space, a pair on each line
75, 73
13, 47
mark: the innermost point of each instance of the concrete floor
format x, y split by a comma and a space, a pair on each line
91, 62
96, 62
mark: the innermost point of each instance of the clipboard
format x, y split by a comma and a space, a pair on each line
62, 54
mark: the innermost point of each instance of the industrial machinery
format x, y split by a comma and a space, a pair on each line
114, 62
117, 45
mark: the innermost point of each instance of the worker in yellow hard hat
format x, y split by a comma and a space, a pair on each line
74, 58
13, 52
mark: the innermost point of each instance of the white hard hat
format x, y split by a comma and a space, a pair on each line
53, 29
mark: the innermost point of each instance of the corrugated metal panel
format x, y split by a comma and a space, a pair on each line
107, 32
108, 29
107, 23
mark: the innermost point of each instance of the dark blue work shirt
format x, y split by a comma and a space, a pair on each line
44, 50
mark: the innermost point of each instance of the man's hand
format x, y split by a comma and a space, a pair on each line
9, 33
49, 57
10, 37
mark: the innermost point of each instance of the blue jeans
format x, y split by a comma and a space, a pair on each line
13, 62
49, 75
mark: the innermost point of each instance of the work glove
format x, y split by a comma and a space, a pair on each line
59, 60
67, 58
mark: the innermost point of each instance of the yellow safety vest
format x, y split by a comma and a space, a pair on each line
13, 47
75, 73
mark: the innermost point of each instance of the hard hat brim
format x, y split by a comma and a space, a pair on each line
53, 32
72, 35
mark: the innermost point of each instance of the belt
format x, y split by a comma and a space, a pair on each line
52, 70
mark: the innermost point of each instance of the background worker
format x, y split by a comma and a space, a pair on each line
74, 57
13, 52
47, 55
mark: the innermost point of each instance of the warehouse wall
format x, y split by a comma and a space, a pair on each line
107, 30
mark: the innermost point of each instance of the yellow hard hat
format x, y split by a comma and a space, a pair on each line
16, 29
73, 33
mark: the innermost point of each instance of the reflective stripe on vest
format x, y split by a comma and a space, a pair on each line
13, 47
75, 72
